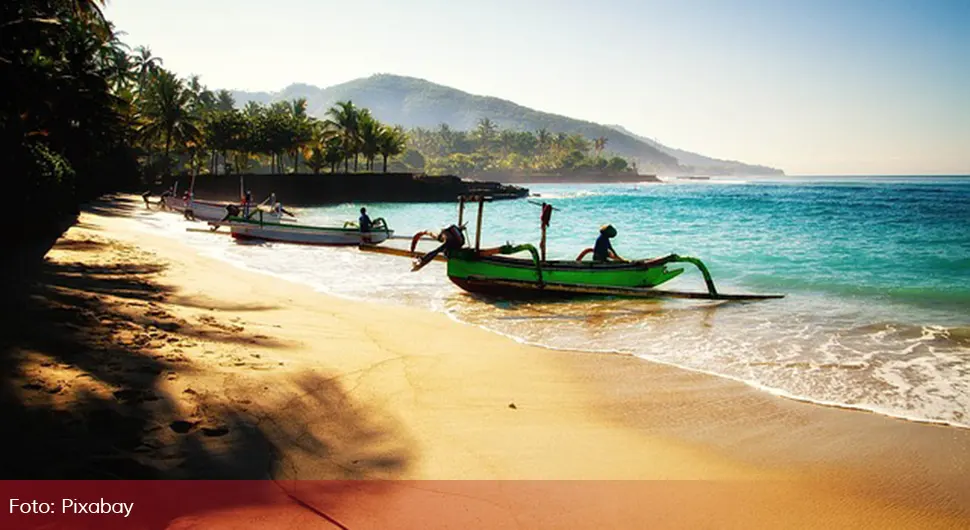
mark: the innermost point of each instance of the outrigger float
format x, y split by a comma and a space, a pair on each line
494, 272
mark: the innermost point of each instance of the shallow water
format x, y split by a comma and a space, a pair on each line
876, 273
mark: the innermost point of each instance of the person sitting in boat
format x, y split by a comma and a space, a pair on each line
364, 222
365, 225
603, 249
279, 210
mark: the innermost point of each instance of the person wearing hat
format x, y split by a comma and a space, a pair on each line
603, 249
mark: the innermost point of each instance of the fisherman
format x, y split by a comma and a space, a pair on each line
364, 222
169, 192
603, 249
231, 211
247, 203
279, 210
365, 225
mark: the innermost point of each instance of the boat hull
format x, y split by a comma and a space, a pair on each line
519, 278
304, 235
208, 210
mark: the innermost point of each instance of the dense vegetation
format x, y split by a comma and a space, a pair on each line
417, 103
65, 130
85, 114
489, 148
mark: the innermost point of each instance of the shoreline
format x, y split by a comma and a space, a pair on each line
753, 384
306, 385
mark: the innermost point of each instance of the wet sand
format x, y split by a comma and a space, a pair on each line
134, 357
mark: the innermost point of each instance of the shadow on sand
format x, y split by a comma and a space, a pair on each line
85, 357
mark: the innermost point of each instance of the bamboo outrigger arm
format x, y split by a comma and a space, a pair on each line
508, 248
674, 258
425, 234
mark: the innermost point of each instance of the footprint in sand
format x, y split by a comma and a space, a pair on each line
182, 426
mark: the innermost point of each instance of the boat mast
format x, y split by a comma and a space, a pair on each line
192, 188
542, 224
478, 229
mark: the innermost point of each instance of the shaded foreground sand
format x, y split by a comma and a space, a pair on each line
134, 357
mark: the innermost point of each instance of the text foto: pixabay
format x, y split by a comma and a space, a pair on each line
72, 506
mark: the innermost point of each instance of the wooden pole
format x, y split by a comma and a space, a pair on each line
478, 230
542, 243
461, 210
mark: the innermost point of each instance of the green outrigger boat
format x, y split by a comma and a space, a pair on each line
495, 272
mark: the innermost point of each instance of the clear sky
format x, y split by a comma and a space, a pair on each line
810, 86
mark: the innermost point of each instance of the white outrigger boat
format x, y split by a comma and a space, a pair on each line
210, 211
260, 227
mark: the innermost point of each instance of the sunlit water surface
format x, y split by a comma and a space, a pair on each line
876, 273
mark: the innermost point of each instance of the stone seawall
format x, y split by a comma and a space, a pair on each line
309, 189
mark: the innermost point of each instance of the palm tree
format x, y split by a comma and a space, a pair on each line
369, 130
315, 149
145, 65
90, 12
115, 59
88, 8
224, 100
301, 130
599, 144
202, 98
167, 114
578, 142
333, 153
507, 139
543, 138
344, 115
391, 142
485, 132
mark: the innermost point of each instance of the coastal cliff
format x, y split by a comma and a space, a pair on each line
311, 190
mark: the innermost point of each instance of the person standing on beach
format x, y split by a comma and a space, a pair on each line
247, 203
603, 249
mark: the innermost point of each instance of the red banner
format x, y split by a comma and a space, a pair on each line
464, 505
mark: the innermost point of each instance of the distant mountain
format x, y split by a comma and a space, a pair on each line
413, 102
702, 164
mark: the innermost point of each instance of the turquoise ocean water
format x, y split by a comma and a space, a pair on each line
876, 273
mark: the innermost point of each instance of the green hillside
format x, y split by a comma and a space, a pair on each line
413, 102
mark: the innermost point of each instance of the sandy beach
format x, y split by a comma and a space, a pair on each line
133, 356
